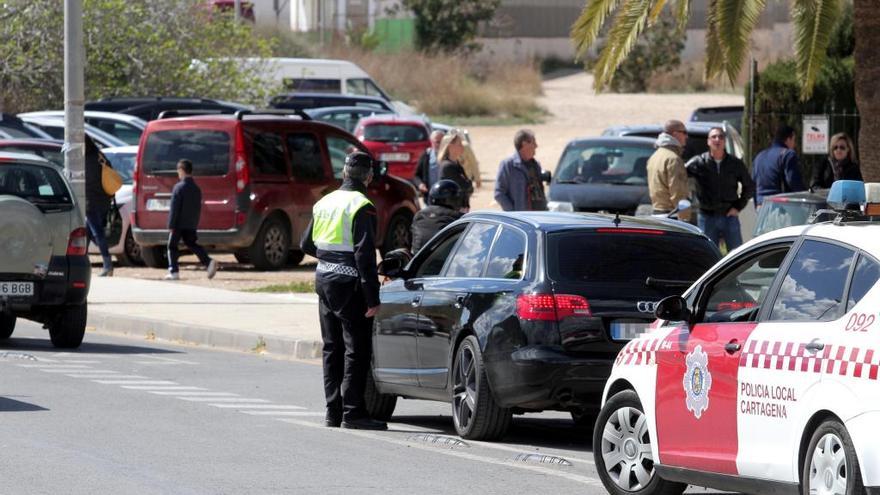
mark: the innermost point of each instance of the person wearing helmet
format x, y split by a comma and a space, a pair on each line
445, 202
341, 235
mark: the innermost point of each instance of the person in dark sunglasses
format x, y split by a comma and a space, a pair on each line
840, 165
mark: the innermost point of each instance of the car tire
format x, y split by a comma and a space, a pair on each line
620, 429
7, 325
475, 413
822, 461
399, 232
131, 254
69, 326
269, 250
155, 256
295, 257
379, 406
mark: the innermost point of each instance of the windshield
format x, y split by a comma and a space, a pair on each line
625, 164
123, 163
775, 215
39, 185
209, 151
395, 133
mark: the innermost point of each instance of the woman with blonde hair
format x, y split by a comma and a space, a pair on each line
449, 157
840, 165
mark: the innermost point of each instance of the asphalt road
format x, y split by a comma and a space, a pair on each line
130, 416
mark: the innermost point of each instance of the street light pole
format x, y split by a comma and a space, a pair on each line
74, 96
237, 5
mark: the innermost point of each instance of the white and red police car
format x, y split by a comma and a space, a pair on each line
764, 377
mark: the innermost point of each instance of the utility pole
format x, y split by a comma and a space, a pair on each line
74, 96
237, 6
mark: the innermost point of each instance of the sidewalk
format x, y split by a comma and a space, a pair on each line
280, 324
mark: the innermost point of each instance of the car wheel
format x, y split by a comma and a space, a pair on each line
69, 326
294, 258
7, 325
830, 462
399, 233
474, 412
155, 256
131, 252
269, 250
379, 406
622, 450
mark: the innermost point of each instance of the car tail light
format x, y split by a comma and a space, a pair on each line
551, 307
78, 243
242, 173
240, 218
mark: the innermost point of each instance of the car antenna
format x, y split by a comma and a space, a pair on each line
616, 220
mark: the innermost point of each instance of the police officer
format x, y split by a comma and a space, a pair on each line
445, 200
340, 235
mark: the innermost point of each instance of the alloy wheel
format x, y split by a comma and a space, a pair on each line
464, 392
626, 449
828, 467
132, 249
274, 246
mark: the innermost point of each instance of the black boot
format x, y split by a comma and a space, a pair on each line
364, 423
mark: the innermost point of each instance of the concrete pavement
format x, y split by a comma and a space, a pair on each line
280, 324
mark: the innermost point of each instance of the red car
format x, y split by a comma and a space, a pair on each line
399, 141
260, 175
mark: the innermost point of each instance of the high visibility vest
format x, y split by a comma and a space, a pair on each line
332, 219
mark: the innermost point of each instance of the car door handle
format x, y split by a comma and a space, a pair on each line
459, 301
732, 347
814, 346
416, 301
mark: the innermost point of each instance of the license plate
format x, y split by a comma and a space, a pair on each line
394, 157
16, 289
627, 331
159, 204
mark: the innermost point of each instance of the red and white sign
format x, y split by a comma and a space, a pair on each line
815, 138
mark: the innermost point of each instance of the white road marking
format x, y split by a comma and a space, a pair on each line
80, 361
284, 413
108, 376
197, 394
53, 366
164, 360
81, 372
454, 453
256, 406
135, 382
160, 387
220, 399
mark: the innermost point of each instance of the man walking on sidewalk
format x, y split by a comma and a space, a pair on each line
340, 235
183, 220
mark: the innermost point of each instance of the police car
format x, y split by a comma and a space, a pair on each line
763, 376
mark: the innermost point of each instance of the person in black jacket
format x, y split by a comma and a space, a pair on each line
723, 189
840, 165
427, 170
98, 203
449, 158
183, 220
445, 202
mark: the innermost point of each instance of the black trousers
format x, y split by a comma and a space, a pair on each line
347, 336
189, 238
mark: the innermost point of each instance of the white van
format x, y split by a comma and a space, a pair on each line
315, 75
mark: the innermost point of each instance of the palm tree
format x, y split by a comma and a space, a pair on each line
729, 26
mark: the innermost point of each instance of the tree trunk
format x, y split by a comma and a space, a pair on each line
866, 26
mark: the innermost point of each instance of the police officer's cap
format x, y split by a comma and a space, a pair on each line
359, 159
445, 193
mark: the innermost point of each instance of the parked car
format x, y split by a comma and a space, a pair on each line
305, 101
399, 141
698, 134
55, 128
149, 107
127, 128
44, 270
343, 117
607, 174
512, 312
730, 114
260, 175
118, 229
246, 9
50, 149
787, 209
12, 127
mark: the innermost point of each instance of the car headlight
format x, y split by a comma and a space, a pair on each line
560, 206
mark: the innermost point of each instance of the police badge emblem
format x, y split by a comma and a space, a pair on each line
697, 381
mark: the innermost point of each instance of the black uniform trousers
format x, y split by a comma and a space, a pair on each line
347, 336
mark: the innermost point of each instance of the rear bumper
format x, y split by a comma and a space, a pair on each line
66, 283
403, 170
547, 377
218, 240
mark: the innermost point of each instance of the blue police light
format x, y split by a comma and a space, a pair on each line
847, 195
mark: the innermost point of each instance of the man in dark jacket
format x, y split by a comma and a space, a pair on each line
445, 202
183, 220
776, 169
518, 185
341, 235
98, 203
723, 189
427, 170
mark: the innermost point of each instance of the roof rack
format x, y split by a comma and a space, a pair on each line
183, 112
239, 114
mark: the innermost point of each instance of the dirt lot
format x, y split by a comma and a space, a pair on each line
576, 111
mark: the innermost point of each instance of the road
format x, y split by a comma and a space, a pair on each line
131, 416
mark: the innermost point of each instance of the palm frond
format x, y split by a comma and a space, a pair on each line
682, 11
629, 22
586, 27
714, 53
734, 21
814, 22
656, 11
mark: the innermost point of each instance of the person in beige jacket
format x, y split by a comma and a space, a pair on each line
667, 177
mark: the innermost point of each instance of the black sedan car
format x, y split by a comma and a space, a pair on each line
506, 313
604, 174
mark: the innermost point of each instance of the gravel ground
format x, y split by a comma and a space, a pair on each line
576, 111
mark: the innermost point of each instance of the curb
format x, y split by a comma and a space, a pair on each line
219, 338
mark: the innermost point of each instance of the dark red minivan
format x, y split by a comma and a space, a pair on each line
260, 175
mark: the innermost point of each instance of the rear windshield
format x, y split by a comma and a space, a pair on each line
53, 155
584, 256
607, 164
122, 162
395, 133
780, 214
209, 151
39, 185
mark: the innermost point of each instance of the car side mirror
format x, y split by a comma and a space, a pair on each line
394, 263
672, 308
545, 176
